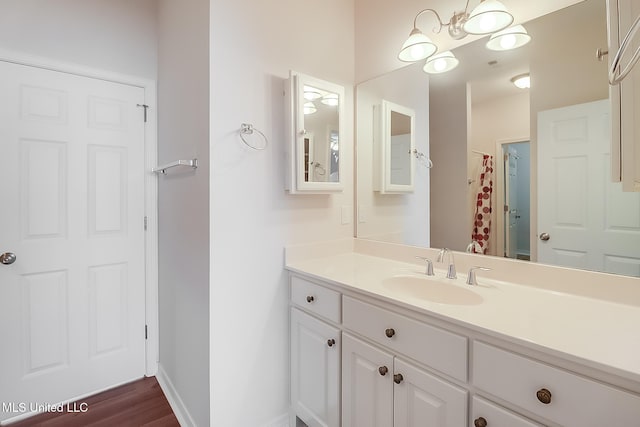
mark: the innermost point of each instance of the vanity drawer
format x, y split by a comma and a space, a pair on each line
315, 298
435, 347
572, 399
495, 416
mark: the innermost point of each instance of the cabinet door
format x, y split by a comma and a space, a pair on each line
367, 385
315, 370
421, 399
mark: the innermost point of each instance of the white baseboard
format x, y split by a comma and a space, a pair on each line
176, 403
281, 421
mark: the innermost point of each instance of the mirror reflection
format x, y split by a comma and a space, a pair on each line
533, 162
321, 139
400, 149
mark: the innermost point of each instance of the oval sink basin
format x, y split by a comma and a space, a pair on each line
432, 290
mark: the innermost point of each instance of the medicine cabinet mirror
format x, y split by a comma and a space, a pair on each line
394, 143
315, 114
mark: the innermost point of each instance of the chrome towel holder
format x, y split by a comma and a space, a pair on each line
248, 129
193, 163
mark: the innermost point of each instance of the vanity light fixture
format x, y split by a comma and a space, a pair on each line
523, 81
488, 17
441, 63
330, 99
510, 38
309, 108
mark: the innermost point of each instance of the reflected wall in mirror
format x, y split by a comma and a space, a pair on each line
393, 147
315, 111
474, 111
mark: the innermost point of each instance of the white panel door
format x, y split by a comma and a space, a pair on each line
72, 174
367, 385
574, 147
421, 399
315, 370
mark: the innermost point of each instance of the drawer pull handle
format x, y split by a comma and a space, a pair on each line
390, 332
310, 299
398, 378
331, 342
383, 370
480, 422
544, 396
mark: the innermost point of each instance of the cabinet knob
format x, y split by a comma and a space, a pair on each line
398, 378
390, 332
310, 299
480, 422
331, 342
383, 370
544, 396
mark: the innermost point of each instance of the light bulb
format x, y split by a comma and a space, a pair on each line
508, 41
487, 22
439, 64
417, 52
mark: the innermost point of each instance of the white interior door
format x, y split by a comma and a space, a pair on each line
573, 180
72, 207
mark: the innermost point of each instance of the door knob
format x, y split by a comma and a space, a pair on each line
544, 236
8, 258
383, 370
389, 332
398, 378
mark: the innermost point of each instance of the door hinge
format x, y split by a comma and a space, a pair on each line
146, 107
146, 222
146, 332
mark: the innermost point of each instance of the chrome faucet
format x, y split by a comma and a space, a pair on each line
474, 247
429, 270
451, 271
471, 277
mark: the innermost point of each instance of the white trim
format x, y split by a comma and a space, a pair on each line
176, 403
151, 185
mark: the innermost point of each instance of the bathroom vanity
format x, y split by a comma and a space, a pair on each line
376, 342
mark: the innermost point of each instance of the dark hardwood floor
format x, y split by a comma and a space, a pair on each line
140, 403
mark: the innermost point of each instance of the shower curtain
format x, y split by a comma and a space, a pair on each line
482, 218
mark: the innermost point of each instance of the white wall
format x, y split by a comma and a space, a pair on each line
183, 209
253, 46
398, 218
114, 35
500, 119
450, 212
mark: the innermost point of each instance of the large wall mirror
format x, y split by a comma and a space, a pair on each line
524, 171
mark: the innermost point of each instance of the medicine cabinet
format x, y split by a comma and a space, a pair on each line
315, 115
394, 146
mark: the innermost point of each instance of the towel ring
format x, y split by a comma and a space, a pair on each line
422, 158
248, 129
616, 75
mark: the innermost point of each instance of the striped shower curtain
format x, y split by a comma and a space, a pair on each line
482, 218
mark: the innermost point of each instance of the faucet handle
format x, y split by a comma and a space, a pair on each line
429, 271
471, 277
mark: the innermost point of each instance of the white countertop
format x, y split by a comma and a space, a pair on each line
600, 334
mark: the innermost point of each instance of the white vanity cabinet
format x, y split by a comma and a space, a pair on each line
555, 394
315, 355
362, 360
381, 390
